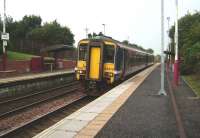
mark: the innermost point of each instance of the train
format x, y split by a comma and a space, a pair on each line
103, 61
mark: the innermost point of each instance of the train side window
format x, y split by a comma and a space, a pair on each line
82, 52
109, 53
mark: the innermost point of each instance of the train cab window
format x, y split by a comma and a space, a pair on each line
109, 54
82, 52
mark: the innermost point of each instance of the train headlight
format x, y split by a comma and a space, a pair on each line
117, 72
108, 74
111, 74
81, 71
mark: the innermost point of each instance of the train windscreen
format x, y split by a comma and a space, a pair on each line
109, 53
82, 52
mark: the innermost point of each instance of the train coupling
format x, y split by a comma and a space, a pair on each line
92, 84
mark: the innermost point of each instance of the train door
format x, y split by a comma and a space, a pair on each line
94, 63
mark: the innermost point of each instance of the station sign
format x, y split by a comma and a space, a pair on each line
5, 36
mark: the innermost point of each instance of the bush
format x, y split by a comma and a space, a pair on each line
191, 62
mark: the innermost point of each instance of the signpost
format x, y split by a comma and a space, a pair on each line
4, 37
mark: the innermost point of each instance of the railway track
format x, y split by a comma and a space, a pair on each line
19, 112
62, 104
17, 104
43, 123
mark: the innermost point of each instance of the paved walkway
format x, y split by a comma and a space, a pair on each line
147, 115
189, 107
144, 114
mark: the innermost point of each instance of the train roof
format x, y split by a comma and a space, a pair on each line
120, 44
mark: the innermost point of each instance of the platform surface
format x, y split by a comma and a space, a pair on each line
88, 120
132, 109
145, 114
34, 76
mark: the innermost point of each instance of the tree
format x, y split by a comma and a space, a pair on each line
94, 34
89, 35
100, 34
31, 22
126, 42
52, 33
29, 35
149, 50
189, 40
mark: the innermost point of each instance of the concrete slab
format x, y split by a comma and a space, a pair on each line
96, 109
86, 116
72, 116
62, 134
72, 125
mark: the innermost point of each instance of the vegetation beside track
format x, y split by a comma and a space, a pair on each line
19, 56
189, 43
194, 82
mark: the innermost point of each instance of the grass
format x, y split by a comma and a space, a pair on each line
19, 56
194, 82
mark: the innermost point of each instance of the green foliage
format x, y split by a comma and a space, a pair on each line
52, 33
94, 34
189, 42
29, 35
89, 35
18, 56
194, 82
126, 42
149, 50
191, 62
100, 34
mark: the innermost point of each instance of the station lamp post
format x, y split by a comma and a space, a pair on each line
4, 37
104, 29
162, 88
168, 48
86, 32
176, 63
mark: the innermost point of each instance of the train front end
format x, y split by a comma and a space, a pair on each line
96, 62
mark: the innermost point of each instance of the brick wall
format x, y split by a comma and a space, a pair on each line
24, 66
14, 68
66, 64
20, 66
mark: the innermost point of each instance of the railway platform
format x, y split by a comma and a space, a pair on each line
134, 109
27, 77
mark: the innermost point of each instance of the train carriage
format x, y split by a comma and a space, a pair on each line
105, 60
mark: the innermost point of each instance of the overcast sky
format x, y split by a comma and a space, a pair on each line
136, 20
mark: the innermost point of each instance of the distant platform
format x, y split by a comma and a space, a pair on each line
34, 76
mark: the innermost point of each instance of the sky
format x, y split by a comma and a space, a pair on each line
138, 21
